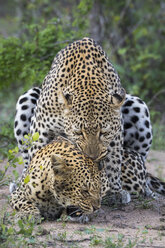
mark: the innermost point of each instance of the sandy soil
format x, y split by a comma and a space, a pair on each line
138, 224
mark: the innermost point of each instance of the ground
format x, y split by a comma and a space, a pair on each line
139, 224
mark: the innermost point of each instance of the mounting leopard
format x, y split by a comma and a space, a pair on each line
135, 115
61, 180
81, 97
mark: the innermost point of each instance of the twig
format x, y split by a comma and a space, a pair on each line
121, 41
155, 96
122, 14
153, 246
68, 241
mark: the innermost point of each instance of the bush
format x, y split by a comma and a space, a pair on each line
131, 32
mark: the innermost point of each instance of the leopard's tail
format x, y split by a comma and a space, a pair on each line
155, 184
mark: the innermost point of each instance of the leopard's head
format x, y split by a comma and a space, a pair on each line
76, 181
93, 120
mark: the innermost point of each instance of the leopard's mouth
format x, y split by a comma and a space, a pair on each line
74, 211
77, 215
102, 156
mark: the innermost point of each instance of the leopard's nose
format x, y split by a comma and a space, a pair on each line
101, 155
95, 208
96, 204
96, 153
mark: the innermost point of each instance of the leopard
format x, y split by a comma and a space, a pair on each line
63, 182
137, 128
59, 179
25, 108
137, 125
81, 97
136, 179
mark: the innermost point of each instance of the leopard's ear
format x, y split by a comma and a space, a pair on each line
59, 164
117, 98
66, 100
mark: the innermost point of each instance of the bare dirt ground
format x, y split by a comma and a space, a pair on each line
138, 224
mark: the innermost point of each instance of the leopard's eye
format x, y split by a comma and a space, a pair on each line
78, 132
85, 190
104, 131
101, 133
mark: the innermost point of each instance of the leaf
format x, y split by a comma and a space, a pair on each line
116, 18
26, 136
7, 166
140, 32
10, 230
15, 160
122, 51
148, 56
32, 241
100, 229
16, 149
35, 136
27, 179
20, 160
20, 223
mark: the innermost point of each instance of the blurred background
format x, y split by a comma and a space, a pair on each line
130, 31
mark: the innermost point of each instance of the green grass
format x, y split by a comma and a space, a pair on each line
25, 233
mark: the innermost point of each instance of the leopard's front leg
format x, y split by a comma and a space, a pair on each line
23, 206
112, 163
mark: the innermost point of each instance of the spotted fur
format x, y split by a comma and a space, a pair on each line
135, 114
59, 176
60, 179
137, 125
81, 97
25, 109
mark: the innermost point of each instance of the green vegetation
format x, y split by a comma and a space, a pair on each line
131, 32
31, 34
13, 160
16, 232
22, 233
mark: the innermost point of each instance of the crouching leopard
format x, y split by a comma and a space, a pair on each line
62, 180
81, 97
60, 177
